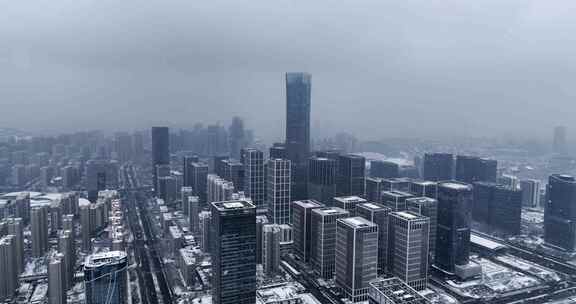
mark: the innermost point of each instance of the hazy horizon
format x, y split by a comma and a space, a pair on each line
379, 68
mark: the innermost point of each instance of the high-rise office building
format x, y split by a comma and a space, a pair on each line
384, 169
560, 213
187, 169
378, 214
298, 104
167, 189
395, 200
160, 149
302, 222
424, 188
508, 180
348, 203
278, 196
185, 193
356, 256
234, 257
394, 291
234, 172
322, 173
237, 139
67, 247
56, 280
100, 175
530, 193
254, 176
427, 207
351, 175
497, 207
470, 169
199, 177
261, 221
323, 239
409, 242
453, 232
106, 278
9, 277
218, 164
271, 235
278, 150
39, 229
397, 184
193, 203
374, 188
438, 166
559, 142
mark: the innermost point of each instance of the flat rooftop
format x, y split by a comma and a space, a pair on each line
396, 193
233, 205
308, 203
105, 258
357, 222
349, 199
330, 211
455, 185
421, 199
407, 215
373, 206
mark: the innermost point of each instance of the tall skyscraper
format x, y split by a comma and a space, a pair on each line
323, 239
100, 175
67, 247
254, 176
271, 235
351, 175
16, 228
348, 203
530, 193
234, 172
374, 188
470, 169
438, 166
106, 278
302, 222
384, 169
453, 233
39, 228
427, 207
497, 207
298, 105
193, 203
278, 191
378, 214
234, 257
395, 200
322, 173
409, 242
86, 227
160, 150
187, 169
559, 142
237, 135
199, 178
424, 188
56, 280
356, 256
9, 277
560, 213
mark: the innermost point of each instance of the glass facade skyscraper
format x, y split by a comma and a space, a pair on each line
234, 256
105, 278
560, 213
298, 105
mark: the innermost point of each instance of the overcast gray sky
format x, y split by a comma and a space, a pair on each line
404, 67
